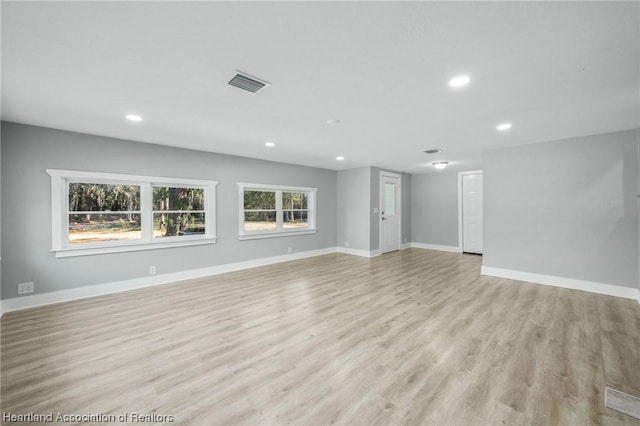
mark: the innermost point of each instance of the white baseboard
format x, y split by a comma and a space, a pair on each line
356, 252
453, 249
15, 304
589, 286
18, 303
623, 402
405, 246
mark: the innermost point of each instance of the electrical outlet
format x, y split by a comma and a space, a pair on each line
288, 249
347, 244
26, 288
152, 270
405, 239
375, 210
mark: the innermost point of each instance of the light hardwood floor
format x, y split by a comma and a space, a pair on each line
411, 337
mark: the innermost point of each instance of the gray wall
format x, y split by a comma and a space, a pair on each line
434, 208
26, 206
358, 196
407, 210
353, 208
374, 202
565, 208
0, 214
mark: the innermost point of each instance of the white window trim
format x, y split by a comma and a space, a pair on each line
60, 213
278, 189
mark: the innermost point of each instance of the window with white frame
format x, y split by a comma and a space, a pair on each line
95, 213
274, 210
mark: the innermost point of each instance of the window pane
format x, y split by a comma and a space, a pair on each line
172, 198
295, 219
178, 224
98, 227
294, 200
389, 199
84, 197
259, 221
259, 200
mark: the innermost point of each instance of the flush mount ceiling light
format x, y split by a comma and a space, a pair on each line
133, 117
432, 151
269, 144
440, 164
340, 158
503, 126
459, 81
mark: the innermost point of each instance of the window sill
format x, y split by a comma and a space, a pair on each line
90, 251
276, 234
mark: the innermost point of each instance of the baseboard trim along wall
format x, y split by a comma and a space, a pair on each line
19, 303
589, 286
25, 302
620, 401
453, 249
356, 252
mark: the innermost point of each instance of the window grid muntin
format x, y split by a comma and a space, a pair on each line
60, 181
280, 228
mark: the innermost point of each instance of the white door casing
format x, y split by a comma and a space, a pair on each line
471, 188
390, 213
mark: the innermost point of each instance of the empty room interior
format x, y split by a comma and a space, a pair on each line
310, 213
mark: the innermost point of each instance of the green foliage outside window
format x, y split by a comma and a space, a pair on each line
178, 211
103, 212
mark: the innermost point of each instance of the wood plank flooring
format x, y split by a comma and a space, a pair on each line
408, 338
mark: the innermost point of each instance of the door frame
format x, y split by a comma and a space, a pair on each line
381, 207
460, 174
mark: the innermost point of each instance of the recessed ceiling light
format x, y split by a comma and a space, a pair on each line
432, 151
461, 80
440, 164
133, 117
340, 158
269, 144
503, 126
333, 121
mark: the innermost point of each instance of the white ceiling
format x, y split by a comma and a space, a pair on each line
554, 70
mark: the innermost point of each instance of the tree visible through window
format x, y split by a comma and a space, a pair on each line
259, 211
294, 210
95, 212
103, 212
178, 211
272, 209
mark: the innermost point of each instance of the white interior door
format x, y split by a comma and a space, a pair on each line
472, 213
389, 213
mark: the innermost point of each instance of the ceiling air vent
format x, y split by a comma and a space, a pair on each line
248, 83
